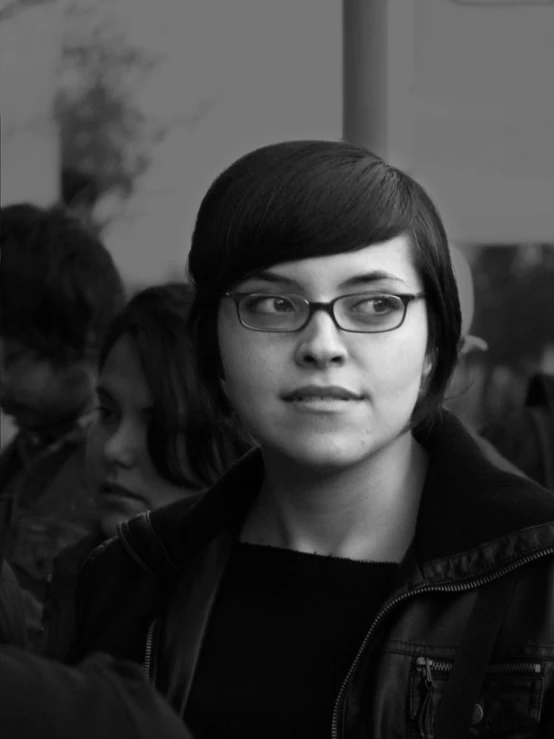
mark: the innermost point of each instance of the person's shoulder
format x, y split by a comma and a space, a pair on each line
116, 600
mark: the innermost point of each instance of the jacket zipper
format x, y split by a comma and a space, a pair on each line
424, 665
427, 667
459, 588
147, 664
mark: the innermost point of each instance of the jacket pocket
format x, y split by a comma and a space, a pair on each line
509, 704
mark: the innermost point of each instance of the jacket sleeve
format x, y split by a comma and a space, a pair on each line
100, 698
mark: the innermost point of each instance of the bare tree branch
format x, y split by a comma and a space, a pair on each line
10, 9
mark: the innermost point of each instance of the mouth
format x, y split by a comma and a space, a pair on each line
118, 491
323, 393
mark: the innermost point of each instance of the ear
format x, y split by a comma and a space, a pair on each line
429, 363
428, 366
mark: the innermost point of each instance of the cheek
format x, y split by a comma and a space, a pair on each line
251, 371
165, 493
400, 371
249, 361
94, 453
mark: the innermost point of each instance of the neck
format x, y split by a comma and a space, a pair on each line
367, 512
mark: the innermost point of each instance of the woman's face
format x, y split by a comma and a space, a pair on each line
266, 374
119, 466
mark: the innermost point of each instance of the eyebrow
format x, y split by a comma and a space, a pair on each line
366, 278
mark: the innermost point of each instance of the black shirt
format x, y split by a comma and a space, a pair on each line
285, 629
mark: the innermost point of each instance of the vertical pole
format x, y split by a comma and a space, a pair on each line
365, 74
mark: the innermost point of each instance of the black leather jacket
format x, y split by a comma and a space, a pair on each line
476, 524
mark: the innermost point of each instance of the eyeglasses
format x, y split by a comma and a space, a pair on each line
366, 313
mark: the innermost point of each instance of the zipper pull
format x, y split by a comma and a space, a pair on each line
425, 718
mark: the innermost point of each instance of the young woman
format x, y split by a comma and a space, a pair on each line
152, 442
366, 572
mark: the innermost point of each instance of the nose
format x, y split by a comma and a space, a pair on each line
321, 343
120, 449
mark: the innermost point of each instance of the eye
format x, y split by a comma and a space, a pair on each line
375, 305
269, 304
104, 413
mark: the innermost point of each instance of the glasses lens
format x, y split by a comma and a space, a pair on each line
272, 312
369, 312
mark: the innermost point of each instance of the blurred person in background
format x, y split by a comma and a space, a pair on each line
59, 289
152, 442
526, 436
517, 435
466, 387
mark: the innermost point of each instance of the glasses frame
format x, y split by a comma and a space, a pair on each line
314, 306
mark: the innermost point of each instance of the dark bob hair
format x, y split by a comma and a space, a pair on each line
302, 199
185, 446
59, 286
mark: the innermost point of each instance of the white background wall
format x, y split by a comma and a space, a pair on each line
472, 112
254, 72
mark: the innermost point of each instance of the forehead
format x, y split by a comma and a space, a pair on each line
122, 374
386, 264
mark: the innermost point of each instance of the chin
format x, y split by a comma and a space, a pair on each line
326, 457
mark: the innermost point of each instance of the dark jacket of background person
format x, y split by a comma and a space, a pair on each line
527, 438
52, 509
12, 609
59, 607
101, 698
148, 595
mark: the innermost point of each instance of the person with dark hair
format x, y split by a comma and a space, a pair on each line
366, 571
526, 436
59, 289
153, 441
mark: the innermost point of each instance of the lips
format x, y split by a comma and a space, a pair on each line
123, 492
321, 392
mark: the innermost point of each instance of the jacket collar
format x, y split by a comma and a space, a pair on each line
471, 512
468, 501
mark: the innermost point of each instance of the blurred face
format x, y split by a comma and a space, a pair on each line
36, 392
119, 466
323, 397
